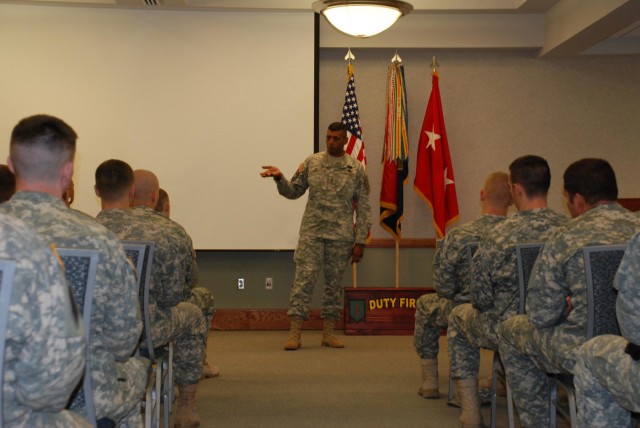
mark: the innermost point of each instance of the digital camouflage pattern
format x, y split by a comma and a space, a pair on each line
545, 340
309, 257
494, 291
606, 378
115, 316
451, 276
336, 186
45, 345
174, 269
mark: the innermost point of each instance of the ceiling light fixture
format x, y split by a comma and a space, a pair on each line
361, 18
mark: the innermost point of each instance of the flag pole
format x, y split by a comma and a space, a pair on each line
355, 275
397, 262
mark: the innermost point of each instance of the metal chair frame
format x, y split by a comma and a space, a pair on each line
160, 384
7, 273
67, 254
601, 318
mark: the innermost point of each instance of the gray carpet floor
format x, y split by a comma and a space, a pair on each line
372, 382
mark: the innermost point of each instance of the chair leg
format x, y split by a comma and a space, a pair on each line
451, 388
494, 388
553, 396
510, 411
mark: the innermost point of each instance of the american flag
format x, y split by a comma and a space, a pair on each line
351, 118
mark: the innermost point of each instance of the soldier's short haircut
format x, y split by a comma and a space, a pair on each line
593, 178
7, 183
532, 173
40, 146
338, 126
113, 179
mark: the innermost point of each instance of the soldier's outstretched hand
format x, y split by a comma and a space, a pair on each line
271, 171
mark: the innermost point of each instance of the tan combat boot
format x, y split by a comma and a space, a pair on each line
470, 416
209, 371
329, 335
187, 413
429, 388
293, 342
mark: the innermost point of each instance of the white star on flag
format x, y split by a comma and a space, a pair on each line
447, 180
432, 138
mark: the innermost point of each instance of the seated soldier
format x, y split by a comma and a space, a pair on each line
451, 274
45, 346
174, 270
545, 339
41, 156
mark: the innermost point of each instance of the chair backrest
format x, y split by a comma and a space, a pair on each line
526, 256
7, 271
80, 267
601, 263
141, 253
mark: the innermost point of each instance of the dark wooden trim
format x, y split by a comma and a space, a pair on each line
404, 243
632, 204
263, 319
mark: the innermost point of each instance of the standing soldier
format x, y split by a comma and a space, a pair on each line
337, 185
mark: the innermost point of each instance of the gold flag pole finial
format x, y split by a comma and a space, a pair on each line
434, 65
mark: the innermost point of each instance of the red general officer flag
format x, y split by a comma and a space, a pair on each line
434, 180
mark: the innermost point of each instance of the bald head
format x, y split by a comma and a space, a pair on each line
496, 194
147, 188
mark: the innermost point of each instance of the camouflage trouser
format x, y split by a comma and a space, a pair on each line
523, 365
203, 299
469, 330
186, 326
133, 378
607, 383
432, 315
49, 419
311, 255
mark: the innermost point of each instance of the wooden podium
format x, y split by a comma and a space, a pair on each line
381, 311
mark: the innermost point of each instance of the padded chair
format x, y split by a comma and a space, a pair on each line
526, 256
472, 247
160, 384
80, 270
601, 263
7, 272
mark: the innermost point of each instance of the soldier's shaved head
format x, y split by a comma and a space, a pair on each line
147, 188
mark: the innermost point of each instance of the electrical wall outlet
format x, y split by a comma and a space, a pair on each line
268, 283
240, 283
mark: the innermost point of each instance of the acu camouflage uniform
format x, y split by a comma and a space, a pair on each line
45, 346
451, 275
545, 340
173, 270
606, 378
494, 290
118, 380
336, 185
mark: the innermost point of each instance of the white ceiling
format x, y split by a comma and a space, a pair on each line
558, 28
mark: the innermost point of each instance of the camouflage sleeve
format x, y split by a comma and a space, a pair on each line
299, 183
363, 209
50, 354
445, 266
122, 323
546, 294
628, 284
483, 264
168, 274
